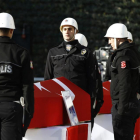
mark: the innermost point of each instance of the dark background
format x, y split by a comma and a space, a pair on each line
37, 22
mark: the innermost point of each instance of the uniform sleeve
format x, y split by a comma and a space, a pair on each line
48, 74
99, 87
124, 77
91, 75
27, 83
108, 73
99, 91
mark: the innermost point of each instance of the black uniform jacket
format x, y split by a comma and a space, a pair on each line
124, 75
78, 66
99, 87
107, 73
16, 76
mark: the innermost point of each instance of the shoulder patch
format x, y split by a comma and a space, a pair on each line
83, 51
123, 64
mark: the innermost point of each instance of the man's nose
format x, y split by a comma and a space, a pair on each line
67, 31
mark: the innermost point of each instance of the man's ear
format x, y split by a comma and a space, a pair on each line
119, 40
11, 31
76, 31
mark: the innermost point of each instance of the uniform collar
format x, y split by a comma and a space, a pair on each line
5, 39
61, 45
125, 45
74, 43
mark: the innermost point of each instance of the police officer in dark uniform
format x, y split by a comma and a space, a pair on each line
124, 82
99, 88
16, 81
108, 64
72, 60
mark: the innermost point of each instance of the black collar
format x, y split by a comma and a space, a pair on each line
75, 43
125, 45
61, 45
5, 39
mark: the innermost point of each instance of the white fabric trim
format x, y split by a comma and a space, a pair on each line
11, 63
64, 87
136, 67
78, 55
59, 55
131, 68
112, 66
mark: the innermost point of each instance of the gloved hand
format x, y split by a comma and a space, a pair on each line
99, 104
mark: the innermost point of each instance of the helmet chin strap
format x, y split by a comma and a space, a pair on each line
72, 38
115, 43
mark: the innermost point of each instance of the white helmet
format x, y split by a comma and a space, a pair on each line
6, 21
117, 30
81, 39
69, 21
130, 36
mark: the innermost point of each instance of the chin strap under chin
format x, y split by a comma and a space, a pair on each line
115, 43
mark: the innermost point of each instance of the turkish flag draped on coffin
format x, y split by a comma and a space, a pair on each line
49, 107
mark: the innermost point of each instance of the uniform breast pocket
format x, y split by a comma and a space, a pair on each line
79, 58
58, 60
78, 61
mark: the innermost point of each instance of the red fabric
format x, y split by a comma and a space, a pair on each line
48, 109
49, 106
137, 130
106, 108
79, 132
81, 102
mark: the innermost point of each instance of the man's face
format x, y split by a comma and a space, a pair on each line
111, 42
68, 32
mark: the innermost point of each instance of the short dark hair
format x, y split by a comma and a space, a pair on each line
4, 30
125, 39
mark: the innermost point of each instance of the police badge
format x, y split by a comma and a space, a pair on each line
68, 47
83, 51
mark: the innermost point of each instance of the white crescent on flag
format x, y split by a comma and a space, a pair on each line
59, 83
40, 87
